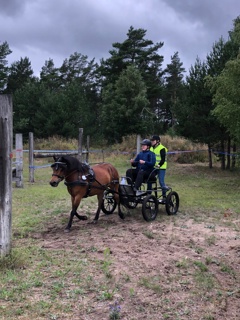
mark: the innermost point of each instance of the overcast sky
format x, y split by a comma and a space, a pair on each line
43, 29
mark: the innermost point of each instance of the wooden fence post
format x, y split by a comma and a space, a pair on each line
138, 143
31, 161
87, 154
6, 136
19, 160
80, 138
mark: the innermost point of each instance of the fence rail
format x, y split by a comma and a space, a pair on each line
34, 154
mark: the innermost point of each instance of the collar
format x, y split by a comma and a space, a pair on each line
156, 145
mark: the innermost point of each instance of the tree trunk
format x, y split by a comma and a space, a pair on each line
222, 155
210, 157
234, 156
228, 153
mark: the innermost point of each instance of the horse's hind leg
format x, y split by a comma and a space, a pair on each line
121, 215
100, 201
117, 198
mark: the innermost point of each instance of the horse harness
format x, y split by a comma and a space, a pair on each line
87, 179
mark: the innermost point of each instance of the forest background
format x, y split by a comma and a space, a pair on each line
130, 93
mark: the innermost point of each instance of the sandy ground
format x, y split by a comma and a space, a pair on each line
176, 267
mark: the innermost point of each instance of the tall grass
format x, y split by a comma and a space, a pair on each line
55, 143
180, 149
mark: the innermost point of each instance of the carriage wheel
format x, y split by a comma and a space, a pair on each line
172, 203
131, 204
150, 207
109, 203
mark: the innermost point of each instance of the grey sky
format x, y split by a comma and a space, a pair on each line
43, 29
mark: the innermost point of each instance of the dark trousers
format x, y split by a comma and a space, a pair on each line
137, 176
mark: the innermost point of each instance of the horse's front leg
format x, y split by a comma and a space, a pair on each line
69, 225
75, 204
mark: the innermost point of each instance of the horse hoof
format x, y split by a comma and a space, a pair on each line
94, 221
66, 230
83, 217
122, 216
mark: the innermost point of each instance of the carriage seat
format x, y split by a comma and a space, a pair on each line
152, 178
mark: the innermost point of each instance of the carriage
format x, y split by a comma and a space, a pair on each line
102, 180
150, 197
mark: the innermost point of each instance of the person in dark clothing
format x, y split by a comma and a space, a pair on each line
144, 163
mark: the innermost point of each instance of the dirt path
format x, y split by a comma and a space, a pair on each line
172, 268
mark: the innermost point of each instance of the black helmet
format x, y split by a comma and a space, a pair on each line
146, 142
155, 137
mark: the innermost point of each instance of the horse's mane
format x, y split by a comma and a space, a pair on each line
73, 163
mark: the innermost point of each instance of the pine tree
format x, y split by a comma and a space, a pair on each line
4, 52
124, 109
20, 72
173, 88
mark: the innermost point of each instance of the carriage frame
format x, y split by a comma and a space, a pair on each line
150, 197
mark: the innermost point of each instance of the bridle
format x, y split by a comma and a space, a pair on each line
58, 176
61, 164
63, 177
57, 165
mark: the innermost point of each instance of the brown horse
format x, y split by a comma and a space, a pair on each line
83, 181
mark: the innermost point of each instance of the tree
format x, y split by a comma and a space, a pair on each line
4, 52
220, 62
193, 116
195, 120
60, 102
143, 54
73, 110
78, 67
173, 88
50, 75
225, 86
26, 101
20, 72
124, 109
227, 97
217, 58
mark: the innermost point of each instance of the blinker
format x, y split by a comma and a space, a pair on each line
58, 165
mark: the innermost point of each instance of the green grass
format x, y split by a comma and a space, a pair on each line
204, 189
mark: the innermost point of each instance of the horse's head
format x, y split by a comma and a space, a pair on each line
59, 168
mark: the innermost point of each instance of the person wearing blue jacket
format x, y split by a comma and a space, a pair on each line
144, 164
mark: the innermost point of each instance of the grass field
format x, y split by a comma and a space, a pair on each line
177, 267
